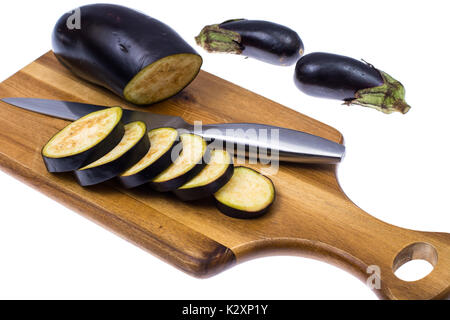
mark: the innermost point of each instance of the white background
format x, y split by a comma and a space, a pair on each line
395, 168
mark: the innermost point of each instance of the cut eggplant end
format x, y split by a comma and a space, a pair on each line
133, 146
188, 164
163, 78
247, 195
157, 159
214, 176
83, 141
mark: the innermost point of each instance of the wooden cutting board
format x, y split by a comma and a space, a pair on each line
311, 217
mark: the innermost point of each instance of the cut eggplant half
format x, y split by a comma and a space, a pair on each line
214, 176
133, 146
84, 141
247, 195
131, 54
192, 160
157, 159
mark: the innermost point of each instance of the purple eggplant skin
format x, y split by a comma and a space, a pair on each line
239, 214
173, 184
147, 174
205, 191
110, 170
263, 40
113, 44
334, 76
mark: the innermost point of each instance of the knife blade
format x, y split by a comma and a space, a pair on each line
250, 139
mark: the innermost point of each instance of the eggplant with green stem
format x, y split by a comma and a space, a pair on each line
334, 76
263, 40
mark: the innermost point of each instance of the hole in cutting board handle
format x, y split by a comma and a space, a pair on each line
415, 251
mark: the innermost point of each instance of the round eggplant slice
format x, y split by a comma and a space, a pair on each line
157, 159
247, 195
126, 51
84, 141
214, 176
263, 40
133, 146
191, 161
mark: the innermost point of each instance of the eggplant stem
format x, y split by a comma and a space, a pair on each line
387, 98
215, 39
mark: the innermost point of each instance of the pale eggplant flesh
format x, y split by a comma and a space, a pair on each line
214, 176
84, 141
160, 156
247, 195
133, 146
192, 159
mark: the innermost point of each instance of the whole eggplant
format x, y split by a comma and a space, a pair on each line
262, 40
130, 53
334, 76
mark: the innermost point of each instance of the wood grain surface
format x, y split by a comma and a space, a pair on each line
312, 216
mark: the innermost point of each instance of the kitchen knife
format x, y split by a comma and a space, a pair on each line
289, 145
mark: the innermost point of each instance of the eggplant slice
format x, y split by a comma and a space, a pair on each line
214, 176
133, 146
191, 161
157, 159
247, 195
84, 141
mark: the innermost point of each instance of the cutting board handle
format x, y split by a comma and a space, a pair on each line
432, 247
370, 249
384, 248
